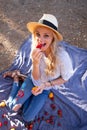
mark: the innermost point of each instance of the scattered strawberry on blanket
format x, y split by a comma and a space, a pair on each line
0, 124
59, 113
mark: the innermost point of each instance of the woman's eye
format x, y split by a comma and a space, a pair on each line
46, 36
37, 34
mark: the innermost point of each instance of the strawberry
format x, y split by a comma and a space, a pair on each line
5, 122
21, 93
0, 124
39, 46
59, 113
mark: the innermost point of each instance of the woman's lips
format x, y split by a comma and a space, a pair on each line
40, 45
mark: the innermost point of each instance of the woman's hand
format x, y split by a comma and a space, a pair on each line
38, 90
36, 56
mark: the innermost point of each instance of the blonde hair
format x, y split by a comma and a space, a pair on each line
52, 60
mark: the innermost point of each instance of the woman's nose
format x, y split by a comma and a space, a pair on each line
41, 39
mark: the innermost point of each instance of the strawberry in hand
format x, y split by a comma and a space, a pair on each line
39, 46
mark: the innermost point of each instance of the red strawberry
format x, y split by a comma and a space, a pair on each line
3, 115
59, 124
5, 122
31, 126
59, 113
38, 119
48, 121
46, 113
0, 124
53, 106
51, 117
39, 46
21, 93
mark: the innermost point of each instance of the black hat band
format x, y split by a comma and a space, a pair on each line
45, 22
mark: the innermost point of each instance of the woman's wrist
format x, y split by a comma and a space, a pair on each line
48, 84
51, 83
34, 65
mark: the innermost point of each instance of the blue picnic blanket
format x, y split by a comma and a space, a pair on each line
66, 110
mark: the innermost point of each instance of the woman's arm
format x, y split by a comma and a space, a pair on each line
49, 84
57, 81
36, 57
35, 71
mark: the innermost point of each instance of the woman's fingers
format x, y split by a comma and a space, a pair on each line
39, 90
36, 56
36, 52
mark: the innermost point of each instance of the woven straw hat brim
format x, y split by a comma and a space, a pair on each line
33, 25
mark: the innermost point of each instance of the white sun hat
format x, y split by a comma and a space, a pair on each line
47, 20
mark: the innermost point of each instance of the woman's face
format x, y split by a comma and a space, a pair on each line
43, 36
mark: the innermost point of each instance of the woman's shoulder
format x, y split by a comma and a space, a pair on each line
61, 52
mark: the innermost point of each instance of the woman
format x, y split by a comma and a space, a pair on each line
49, 62
49, 66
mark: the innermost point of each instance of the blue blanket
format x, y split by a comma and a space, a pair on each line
66, 110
